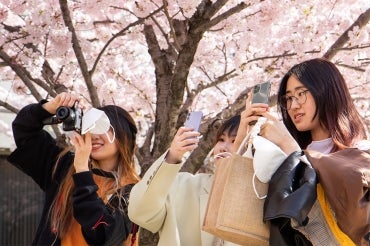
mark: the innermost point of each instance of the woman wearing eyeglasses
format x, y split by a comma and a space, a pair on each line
318, 114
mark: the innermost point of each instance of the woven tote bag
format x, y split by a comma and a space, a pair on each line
234, 211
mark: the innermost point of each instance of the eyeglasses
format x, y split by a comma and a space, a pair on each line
299, 96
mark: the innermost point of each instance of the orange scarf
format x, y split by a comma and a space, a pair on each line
75, 237
342, 238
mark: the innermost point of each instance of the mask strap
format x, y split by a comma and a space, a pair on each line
227, 154
114, 135
88, 129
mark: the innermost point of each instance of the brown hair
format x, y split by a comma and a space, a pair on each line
61, 211
334, 105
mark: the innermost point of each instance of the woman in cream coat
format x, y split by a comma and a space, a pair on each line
173, 203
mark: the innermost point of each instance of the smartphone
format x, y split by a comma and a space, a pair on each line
193, 120
261, 94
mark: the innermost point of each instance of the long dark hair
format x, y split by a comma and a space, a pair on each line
61, 211
334, 105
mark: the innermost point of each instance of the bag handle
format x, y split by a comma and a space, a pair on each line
248, 140
247, 145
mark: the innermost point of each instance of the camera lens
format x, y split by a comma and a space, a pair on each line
62, 113
256, 88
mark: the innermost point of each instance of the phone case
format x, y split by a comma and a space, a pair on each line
193, 120
261, 92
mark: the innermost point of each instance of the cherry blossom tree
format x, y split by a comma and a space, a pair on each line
159, 59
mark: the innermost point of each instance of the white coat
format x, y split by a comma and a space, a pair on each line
172, 203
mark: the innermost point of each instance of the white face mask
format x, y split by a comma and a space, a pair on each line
97, 122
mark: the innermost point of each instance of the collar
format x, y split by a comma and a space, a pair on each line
102, 173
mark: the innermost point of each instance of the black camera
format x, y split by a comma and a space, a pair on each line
70, 117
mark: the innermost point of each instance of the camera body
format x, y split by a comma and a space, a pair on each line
70, 117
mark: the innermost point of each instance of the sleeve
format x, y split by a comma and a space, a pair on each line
291, 195
292, 190
149, 197
36, 151
101, 224
345, 178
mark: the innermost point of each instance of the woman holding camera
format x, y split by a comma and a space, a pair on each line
86, 189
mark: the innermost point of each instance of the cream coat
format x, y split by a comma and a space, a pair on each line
172, 204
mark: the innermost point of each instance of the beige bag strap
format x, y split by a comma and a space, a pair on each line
245, 149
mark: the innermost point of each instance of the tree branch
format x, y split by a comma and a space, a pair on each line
361, 21
172, 29
119, 34
79, 55
207, 25
9, 107
21, 73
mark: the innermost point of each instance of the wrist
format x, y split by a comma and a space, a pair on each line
50, 107
289, 148
170, 159
81, 169
173, 161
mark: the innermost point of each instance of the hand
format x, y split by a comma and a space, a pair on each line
62, 99
82, 144
251, 113
185, 140
275, 131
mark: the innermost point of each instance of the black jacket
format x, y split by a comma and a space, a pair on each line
36, 155
291, 195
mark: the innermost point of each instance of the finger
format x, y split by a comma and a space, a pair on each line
71, 99
81, 103
190, 135
253, 118
260, 105
87, 138
181, 130
249, 100
269, 116
188, 129
189, 141
59, 99
74, 97
64, 99
190, 147
78, 138
72, 140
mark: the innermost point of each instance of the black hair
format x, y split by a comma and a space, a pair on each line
230, 126
334, 105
